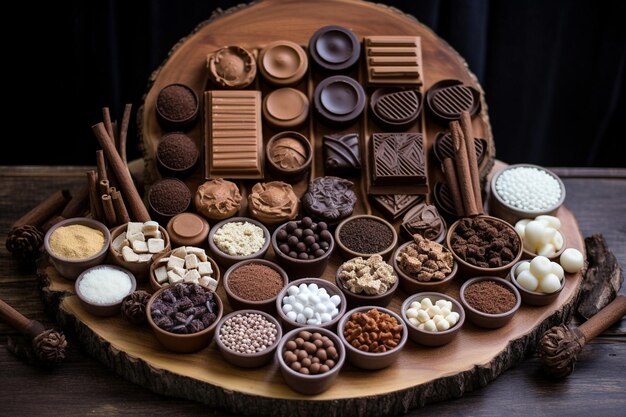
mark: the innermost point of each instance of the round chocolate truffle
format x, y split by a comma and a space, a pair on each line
176, 107
168, 197
283, 62
217, 199
329, 199
273, 202
285, 107
289, 156
339, 99
334, 48
177, 155
231, 67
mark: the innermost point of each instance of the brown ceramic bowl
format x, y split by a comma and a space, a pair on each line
362, 299
227, 260
238, 303
141, 270
105, 309
501, 209
533, 298
411, 285
71, 268
169, 171
331, 289
467, 270
424, 337
289, 175
310, 384
348, 253
371, 360
164, 218
154, 264
247, 360
526, 254
167, 123
489, 321
300, 268
184, 343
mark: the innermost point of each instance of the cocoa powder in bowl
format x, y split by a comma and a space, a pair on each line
366, 235
255, 282
177, 153
169, 197
490, 297
176, 102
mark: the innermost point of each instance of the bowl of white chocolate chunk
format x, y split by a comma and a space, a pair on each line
134, 246
433, 319
186, 264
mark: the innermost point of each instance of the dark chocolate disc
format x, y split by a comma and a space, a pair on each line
342, 155
443, 147
339, 99
446, 100
395, 108
334, 48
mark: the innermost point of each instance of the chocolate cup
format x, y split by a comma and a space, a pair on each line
285, 108
348, 253
163, 218
103, 310
339, 99
241, 66
411, 285
248, 360
239, 303
167, 171
393, 117
445, 118
533, 298
424, 337
225, 260
334, 48
283, 63
290, 176
489, 321
185, 124
358, 300
179, 226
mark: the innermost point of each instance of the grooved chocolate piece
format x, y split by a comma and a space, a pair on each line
329, 199
393, 60
393, 206
424, 220
443, 147
395, 108
398, 159
233, 135
342, 155
448, 98
334, 48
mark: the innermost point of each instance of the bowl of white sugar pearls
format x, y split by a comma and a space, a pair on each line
525, 191
102, 288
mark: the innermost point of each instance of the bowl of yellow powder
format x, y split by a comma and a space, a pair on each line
76, 244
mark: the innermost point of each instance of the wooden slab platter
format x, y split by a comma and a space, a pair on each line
421, 375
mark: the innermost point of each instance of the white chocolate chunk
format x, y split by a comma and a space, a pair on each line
136, 236
150, 226
139, 246
205, 268
129, 255
160, 274
163, 260
153, 234
156, 245
180, 271
174, 278
118, 242
145, 257
192, 276
208, 282
132, 228
191, 261
175, 261
179, 252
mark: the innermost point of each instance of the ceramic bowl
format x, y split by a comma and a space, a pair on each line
239, 303
180, 124
371, 360
348, 253
247, 360
168, 171
71, 268
105, 309
155, 264
331, 289
183, 343
501, 209
300, 268
489, 321
225, 260
533, 298
141, 270
289, 175
468, 270
164, 218
424, 337
411, 285
362, 299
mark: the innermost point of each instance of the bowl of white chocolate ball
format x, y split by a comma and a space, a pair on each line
433, 319
538, 281
541, 236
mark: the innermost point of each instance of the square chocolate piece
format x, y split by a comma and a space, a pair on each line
342, 155
233, 134
398, 159
393, 60
393, 206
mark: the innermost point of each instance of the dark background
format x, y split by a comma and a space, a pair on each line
553, 72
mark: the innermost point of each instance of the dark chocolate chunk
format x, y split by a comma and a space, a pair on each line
342, 155
398, 159
395, 205
424, 220
443, 147
329, 199
395, 109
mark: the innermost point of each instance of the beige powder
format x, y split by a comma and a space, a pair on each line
76, 241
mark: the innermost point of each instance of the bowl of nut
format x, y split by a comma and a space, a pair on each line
370, 281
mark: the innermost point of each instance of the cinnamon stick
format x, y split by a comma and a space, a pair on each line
95, 205
121, 214
103, 187
463, 170
468, 133
75, 208
121, 146
106, 117
44, 210
109, 211
101, 166
136, 207
450, 172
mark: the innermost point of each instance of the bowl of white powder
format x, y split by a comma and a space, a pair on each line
102, 288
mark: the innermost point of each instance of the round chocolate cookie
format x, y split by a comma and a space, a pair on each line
329, 199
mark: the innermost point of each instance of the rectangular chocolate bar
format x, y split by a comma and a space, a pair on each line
393, 60
233, 134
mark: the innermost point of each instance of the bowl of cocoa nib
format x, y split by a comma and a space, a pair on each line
177, 107
177, 155
484, 245
365, 235
489, 302
254, 284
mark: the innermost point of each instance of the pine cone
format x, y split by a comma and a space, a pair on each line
24, 242
134, 306
50, 346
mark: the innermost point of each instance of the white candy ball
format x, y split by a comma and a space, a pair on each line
445, 311
329, 306
323, 296
423, 316
303, 298
414, 321
325, 317
433, 311
301, 318
453, 318
443, 325
334, 312
430, 326
546, 250
302, 287
292, 315
557, 241
441, 303
298, 307
293, 290
420, 326
437, 318
287, 308
540, 266
557, 270
534, 234
312, 322
426, 303
524, 266
308, 312
527, 281
314, 299
313, 288
549, 284
411, 313
551, 221
520, 226
572, 260
416, 305
335, 300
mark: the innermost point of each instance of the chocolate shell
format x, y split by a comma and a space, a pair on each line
231, 67
339, 100
334, 48
425, 220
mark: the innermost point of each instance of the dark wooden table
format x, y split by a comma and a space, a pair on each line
83, 386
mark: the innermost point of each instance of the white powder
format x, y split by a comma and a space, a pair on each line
239, 238
105, 285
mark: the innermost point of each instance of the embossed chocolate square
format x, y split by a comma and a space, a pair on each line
398, 159
342, 155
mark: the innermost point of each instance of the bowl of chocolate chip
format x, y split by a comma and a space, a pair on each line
484, 245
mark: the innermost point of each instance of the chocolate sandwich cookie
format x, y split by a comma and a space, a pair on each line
395, 109
329, 199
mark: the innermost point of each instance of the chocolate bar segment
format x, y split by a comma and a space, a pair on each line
393, 206
233, 134
342, 155
398, 159
393, 60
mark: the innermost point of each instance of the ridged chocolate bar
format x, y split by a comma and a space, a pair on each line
393, 60
342, 155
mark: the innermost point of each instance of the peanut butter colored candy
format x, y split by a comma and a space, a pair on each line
273, 202
217, 199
